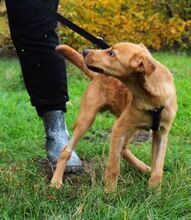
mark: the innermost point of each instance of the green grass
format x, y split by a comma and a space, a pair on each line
24, 189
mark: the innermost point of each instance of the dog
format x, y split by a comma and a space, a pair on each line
129, 82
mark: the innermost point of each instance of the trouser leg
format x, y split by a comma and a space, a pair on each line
44, 72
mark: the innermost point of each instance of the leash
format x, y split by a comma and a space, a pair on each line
156, 115
63, 20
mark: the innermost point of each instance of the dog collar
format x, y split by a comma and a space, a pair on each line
156, 116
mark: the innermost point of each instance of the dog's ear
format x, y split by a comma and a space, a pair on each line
142, 64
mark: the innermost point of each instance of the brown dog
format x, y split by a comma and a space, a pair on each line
146, 85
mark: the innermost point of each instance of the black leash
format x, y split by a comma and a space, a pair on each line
63, 20
156, 115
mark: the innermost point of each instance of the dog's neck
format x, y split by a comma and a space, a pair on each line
151, 91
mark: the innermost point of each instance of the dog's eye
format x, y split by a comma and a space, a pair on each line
111, 53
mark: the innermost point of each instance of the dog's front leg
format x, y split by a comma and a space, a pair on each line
120, 133
159, 147
65, 155
88, 110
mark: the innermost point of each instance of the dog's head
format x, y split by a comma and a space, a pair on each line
122, 60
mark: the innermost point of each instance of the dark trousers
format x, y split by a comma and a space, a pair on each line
44, 71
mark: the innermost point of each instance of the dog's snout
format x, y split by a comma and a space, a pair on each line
85, 52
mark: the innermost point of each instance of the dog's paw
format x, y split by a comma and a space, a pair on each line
110, 187
145, 169
155, 181
108, 190
56, 185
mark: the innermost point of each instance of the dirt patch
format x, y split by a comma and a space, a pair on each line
141, 136
46, 169
87, 173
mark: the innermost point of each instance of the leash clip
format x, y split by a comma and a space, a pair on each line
102, 44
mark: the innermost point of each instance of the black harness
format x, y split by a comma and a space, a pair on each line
156, 116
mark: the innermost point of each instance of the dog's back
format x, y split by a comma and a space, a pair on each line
115, 95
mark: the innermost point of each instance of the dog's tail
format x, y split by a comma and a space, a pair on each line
76, 58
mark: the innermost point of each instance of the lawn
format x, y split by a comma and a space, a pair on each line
24, 188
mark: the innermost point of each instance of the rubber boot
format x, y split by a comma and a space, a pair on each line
56, 138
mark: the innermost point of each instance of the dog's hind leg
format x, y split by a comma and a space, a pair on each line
88, 110
131, 158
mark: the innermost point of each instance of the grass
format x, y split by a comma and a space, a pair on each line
24, 189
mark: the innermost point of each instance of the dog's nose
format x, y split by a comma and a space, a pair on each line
85, 52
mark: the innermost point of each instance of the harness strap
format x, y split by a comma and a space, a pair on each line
63, 20
156, 116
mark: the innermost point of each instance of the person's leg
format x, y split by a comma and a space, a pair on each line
44, 72
57, 137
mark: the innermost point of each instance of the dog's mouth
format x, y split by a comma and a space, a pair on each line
95, 69
101, 71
